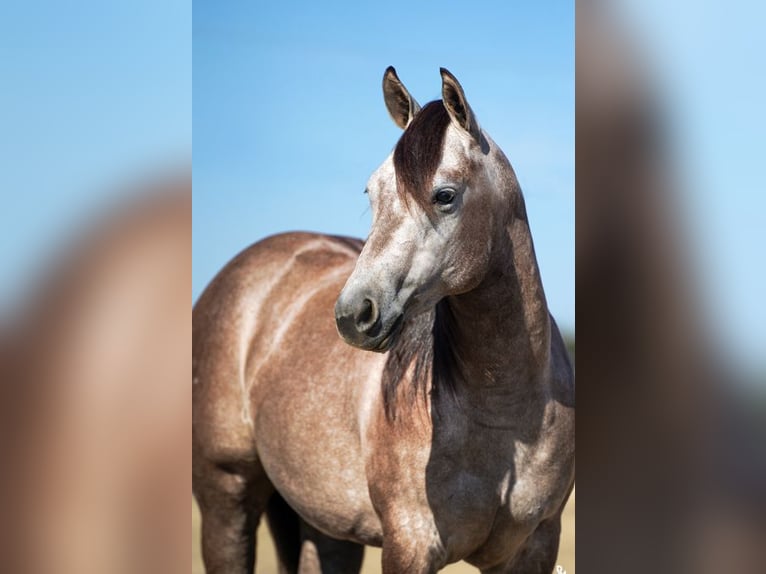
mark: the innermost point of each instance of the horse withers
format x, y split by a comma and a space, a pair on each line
440, 426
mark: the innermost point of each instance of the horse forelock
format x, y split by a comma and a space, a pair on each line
419, 151
425, 351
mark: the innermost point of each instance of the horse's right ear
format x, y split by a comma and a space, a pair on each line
401, 105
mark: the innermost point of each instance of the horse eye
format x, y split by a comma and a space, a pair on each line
444, 196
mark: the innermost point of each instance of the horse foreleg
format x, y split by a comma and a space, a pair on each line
285, 527
231, 505
538, 555
302, 549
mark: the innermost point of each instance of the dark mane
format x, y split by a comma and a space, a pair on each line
419, 152
426, 345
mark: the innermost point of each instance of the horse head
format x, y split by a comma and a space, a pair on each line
441, 202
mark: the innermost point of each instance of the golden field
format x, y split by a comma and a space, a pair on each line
267, 563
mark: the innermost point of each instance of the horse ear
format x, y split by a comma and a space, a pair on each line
457, 106
401, 105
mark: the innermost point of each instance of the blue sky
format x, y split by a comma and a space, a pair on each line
289, 120
94, 97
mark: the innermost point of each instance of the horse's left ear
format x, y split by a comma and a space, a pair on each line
457, 106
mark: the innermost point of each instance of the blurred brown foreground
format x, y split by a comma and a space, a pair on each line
670, 442
95, 400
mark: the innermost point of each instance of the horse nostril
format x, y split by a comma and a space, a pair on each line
367, 315
365, 312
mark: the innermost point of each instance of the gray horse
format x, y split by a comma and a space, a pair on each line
454, 440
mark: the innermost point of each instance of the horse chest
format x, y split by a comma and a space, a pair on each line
471, 490
484, 503
476, 505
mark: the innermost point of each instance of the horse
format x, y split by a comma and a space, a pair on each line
439, 424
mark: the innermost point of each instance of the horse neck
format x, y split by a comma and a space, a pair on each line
500, 331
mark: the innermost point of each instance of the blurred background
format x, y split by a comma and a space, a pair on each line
670, 280
95, 245
702, 65
95, 99
95, 140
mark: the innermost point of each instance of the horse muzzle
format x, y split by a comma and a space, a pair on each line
361, 324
